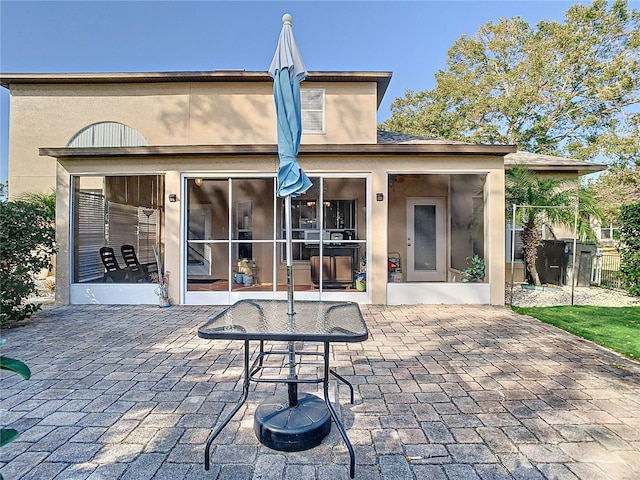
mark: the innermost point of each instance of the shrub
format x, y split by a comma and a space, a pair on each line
27, 239
475, 270
630, 248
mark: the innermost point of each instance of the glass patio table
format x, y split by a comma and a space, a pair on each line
293, 423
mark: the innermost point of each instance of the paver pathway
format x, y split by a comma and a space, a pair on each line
442, 392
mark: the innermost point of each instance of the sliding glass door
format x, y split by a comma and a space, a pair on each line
235, 239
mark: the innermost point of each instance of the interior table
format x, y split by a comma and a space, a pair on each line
295, 423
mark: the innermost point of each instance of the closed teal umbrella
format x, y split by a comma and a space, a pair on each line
288, 70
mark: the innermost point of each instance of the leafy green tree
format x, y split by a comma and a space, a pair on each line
618, 186
27, 239
569, 89
546, 203
630, 248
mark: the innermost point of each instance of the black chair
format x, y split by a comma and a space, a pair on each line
113, 272
137, 272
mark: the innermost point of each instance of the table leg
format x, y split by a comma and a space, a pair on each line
245, 393
338, 422
345, 381
260, 361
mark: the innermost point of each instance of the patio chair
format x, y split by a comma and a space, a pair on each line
113, 272
137, 271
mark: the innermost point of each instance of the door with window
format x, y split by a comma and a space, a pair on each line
426, 235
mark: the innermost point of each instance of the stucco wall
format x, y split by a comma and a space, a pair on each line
199, 113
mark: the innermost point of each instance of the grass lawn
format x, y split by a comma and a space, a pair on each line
616, 328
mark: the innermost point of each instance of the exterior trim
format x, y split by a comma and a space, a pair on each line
382, 78
231, 150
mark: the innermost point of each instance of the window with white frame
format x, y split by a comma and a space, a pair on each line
313, 118
518, 255
610, 232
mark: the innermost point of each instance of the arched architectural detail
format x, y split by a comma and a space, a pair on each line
107, 134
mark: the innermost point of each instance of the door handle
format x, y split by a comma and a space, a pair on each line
408, 244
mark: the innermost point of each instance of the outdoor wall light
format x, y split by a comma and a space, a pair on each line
379, 197
173, 197
198, 182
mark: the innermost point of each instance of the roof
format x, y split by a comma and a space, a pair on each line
382, 79
533, 161
272, 149
385, 146
394, 138
388, 143
539, 162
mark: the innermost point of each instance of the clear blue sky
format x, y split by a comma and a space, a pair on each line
408, 38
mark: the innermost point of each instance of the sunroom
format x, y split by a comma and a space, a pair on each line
370, 234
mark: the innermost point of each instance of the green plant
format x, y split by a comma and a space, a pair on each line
8, 435
27, 242
630, 248
46, 200
475, 271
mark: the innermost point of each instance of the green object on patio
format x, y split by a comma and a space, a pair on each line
16, 366
615, 328
8, 435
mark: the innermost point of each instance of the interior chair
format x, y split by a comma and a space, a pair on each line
137, 271
113, 272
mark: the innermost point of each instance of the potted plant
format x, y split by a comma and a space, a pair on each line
475, 271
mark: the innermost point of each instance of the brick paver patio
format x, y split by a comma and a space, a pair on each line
442, 392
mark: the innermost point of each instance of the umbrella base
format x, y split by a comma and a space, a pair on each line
292, 429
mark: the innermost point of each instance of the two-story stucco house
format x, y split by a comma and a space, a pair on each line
183, 165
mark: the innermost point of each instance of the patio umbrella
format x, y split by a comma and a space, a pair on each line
288, 70
302, 422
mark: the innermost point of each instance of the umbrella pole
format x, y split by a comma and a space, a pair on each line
293, 387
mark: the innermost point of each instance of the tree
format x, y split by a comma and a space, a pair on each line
569, 89
544, 203
630, 248
27, 237
618, 186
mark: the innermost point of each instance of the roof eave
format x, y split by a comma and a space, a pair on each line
381, 78
585, 169
271, 149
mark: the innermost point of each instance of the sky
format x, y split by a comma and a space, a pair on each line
408, 38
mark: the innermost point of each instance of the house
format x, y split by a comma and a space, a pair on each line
182, 166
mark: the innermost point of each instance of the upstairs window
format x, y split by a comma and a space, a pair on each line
313, 118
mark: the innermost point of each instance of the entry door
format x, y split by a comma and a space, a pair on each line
426, 240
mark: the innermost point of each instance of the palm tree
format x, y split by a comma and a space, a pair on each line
46, 200
545, 202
